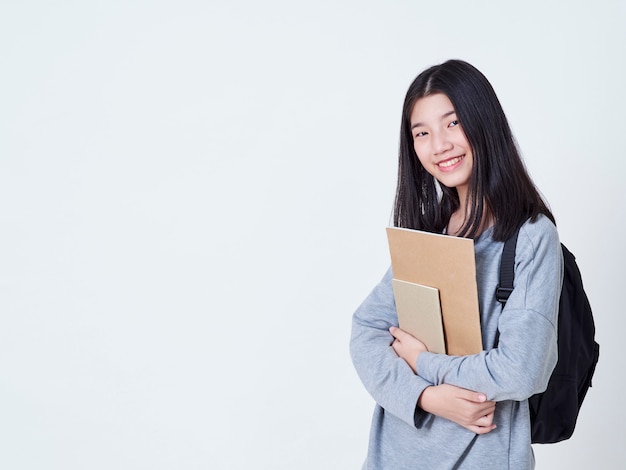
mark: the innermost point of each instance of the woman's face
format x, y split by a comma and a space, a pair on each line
440, 143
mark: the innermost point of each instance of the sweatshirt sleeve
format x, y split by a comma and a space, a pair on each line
388, 379
526, 354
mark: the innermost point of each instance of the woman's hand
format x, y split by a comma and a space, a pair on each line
469, 409
464, 407
407, 346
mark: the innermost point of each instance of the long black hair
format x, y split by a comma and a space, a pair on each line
499, 184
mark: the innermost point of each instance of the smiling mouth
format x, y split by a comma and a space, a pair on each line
450, 162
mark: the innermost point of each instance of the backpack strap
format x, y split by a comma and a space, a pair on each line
507, 269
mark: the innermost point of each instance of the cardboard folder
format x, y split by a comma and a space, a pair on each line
445, 263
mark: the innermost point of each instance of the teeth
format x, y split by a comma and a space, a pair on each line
450, 162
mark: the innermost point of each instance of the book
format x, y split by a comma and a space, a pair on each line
446, 263
419, 313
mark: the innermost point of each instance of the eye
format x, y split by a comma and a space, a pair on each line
454, 123
420, 134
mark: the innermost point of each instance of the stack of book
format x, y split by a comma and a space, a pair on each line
434, 284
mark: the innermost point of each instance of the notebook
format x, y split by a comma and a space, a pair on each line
419, 313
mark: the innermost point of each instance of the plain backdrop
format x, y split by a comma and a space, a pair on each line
193, 202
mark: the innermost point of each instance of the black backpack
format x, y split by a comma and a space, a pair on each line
553, 413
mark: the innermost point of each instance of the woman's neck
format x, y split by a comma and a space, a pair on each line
460, 217
456, 222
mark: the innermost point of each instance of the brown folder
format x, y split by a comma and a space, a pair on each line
446, 263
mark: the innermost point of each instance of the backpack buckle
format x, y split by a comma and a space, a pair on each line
503, 294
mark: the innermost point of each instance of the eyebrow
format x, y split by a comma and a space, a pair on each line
445, 115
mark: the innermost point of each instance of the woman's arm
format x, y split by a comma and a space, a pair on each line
385, 376
526, 354
393, 384
466, 408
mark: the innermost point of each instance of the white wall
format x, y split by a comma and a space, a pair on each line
193, 199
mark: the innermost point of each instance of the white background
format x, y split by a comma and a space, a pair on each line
193, 198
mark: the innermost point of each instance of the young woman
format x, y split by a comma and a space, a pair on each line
460, 173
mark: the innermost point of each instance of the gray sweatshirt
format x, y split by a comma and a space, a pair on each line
402, 435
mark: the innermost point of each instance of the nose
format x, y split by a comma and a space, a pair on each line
441, 143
